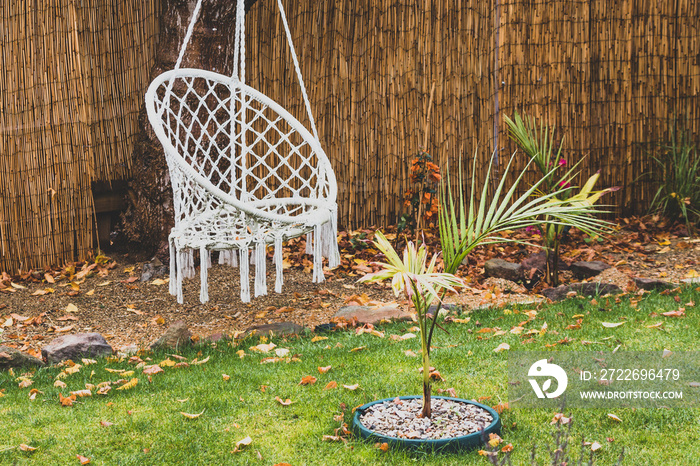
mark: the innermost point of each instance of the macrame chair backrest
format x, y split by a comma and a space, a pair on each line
271, 163
238, 144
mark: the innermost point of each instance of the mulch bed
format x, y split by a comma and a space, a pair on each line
113, 301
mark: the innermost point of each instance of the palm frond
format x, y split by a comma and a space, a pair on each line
501, 212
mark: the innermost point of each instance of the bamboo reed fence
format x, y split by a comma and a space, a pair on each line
71, 86
610, 74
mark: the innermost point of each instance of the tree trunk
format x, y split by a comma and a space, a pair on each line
149, 216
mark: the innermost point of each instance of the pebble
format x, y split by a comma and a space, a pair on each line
399, 419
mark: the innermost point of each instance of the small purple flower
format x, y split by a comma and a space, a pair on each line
562, 162
533, 230
564, 184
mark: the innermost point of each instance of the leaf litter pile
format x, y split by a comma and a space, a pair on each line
106, 294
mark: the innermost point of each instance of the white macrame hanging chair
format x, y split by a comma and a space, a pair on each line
245, 173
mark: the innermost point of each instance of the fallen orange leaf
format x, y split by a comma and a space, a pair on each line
500, 407
66, 400
308, 380
331, 385
323, 370
286, 402
83, 460
153, 369
129, 385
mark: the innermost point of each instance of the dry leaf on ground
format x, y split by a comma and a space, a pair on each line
331, 385
192, 416
286, 402
308, 380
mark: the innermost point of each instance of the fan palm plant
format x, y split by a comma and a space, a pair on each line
538, 145
416, 277
463, 228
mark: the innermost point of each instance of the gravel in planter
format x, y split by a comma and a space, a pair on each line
399, 419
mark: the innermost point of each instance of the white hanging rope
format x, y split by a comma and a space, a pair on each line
236, 41
240, 25
298, 70
188, 35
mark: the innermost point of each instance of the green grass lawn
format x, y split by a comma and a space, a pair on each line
148, 427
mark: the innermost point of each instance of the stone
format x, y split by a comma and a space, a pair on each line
445, 309
539, 261
175, 337
499, 268
371, 315
584, 269
585, 289
80, 345
153, 269
276, 328
650, 248
651, 284
217, 337
504, 285
10, 358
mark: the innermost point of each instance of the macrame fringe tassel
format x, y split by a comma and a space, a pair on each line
204, 264
172, 286
206, 258
245, 275
228, 257
234, 258
330, 240
224, 257
278, 264
309, 243
181, 259
318, 256
260, 269
188, 266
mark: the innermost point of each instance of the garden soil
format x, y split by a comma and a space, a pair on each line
110, 299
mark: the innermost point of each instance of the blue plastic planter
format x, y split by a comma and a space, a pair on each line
465, 442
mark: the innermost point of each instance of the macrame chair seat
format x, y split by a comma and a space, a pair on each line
245, 173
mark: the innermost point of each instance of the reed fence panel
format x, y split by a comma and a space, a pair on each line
611, 75
71, 88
